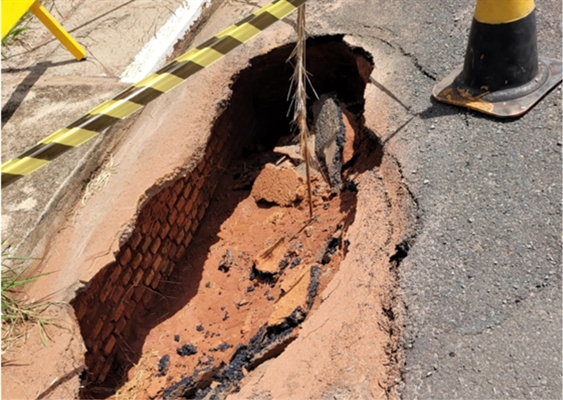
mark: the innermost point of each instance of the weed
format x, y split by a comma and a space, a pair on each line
15, 34
17, 311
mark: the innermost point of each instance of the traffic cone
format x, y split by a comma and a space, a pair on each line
502, 74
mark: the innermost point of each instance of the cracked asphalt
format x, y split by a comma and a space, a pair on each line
482, 279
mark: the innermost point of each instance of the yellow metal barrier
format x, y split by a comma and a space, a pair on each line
13, 10
146, 90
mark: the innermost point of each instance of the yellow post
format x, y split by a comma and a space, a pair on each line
12, 11
56, 29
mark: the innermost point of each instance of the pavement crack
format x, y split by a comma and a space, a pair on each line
414, 59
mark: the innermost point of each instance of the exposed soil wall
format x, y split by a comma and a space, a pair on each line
117, 299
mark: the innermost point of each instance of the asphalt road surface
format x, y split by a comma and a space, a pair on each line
482, 280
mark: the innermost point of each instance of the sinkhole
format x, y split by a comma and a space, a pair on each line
218, 272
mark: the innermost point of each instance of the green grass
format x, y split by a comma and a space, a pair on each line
17, 310
16, 34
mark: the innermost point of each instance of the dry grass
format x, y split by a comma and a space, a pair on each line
17, 309
100, 181
144, 369
299, 100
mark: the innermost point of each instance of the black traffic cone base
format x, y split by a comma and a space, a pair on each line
503, 103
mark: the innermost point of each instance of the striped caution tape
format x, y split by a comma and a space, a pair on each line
145, 91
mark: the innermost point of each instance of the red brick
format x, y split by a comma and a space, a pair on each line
181, 217
180, 203
149, 276
178, 186
106, 291
172, 215
155, 245
165, 229
194, 225
96, 284
156, 263
110, 343
172, 251
139, 292
167, 268
147, 261
128, 312
171, 198
187, 239
115, 272
209, 151
200, 183
162, 196
126, 277
119, 326
97, 328
138, 277
135, 239
81, 310
116, 296
158, 212
188, 186
155, 228
193, 211
165, 246
146, 243
106, 331
180, 252
191, 199
104, 372
178, 238
97, 346
174, 231
199, 167
145, 223
95, 371
156, 280
201, 211
125, 256
118, 311
136, 261
207, 169
162, 218
128, 293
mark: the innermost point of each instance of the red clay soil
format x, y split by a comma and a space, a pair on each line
226, 303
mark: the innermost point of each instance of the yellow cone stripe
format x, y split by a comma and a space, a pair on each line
502, 11
141, 93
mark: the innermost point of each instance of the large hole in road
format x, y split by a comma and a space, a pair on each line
213, 281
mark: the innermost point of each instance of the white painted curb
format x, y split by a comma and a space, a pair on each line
153, 55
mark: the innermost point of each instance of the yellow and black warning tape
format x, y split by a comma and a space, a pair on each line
143, 92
